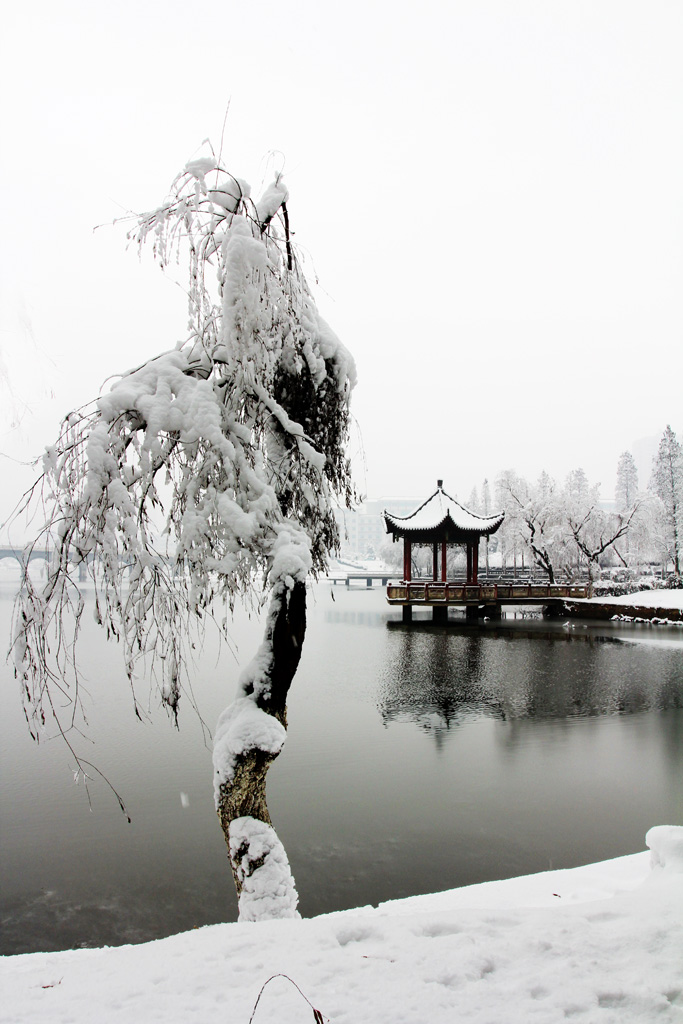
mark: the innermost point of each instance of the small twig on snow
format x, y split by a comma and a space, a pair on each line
317, 1015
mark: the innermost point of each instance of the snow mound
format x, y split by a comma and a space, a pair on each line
666, 844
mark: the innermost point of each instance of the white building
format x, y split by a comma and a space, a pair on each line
362, 530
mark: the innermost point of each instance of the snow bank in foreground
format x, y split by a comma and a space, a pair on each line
599, 944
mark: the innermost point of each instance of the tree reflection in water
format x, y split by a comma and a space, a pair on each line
438, 676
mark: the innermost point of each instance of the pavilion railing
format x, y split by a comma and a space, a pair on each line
430, 592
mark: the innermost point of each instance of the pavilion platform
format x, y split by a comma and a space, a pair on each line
478, 599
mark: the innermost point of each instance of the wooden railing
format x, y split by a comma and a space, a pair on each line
430, 593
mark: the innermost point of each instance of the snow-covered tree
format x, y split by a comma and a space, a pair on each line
595, 531
209, 472
485, 511
626, 489
647, 533
485, 504
539, 512
667, 484
578, 490
626, 495
510, 535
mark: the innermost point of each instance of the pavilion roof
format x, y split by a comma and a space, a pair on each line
441, 517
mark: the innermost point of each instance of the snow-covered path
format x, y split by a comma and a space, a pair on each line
598, 944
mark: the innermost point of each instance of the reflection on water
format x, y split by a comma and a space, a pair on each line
418, 758
438, 676
354, 618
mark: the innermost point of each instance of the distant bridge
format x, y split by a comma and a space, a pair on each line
19, 554
347, 578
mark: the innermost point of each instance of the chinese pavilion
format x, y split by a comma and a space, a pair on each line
441, 521
438, 522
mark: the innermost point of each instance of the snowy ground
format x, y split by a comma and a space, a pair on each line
602, 944
638, 606
646, 599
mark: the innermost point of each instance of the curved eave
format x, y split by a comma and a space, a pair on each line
446, 529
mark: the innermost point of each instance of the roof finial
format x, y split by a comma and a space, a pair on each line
439, 484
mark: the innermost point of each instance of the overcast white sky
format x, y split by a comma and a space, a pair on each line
489, 191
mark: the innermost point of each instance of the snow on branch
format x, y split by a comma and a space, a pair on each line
208, 471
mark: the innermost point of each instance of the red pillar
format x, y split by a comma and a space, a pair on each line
406, 560
469, 562
475, 561
435, 561
443, 561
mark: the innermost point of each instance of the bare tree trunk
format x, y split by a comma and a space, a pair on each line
252, 843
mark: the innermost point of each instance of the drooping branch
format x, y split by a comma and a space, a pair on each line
288, 243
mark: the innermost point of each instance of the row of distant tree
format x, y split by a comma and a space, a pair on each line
563, 528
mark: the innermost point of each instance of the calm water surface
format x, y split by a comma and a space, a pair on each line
418, 758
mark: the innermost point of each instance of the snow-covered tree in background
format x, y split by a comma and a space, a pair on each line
626, 489
486, 511
474, 504
578, 490
564, 529
667, 484
626, 495
210, 472
594, 529
510, 494
541, 513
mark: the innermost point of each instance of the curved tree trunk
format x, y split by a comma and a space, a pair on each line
246, 744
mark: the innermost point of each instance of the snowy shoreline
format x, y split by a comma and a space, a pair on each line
660, 607
599, 943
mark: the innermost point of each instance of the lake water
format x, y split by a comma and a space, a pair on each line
419, 757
